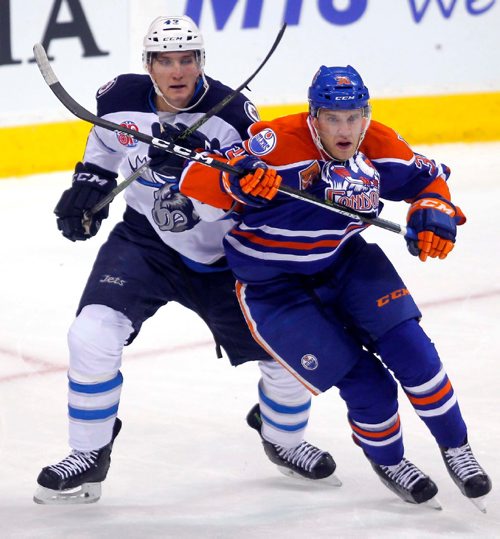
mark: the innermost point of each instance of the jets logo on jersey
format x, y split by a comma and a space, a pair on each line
124, 138
251, 111
105, 87
263, 142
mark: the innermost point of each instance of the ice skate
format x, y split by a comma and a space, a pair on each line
304, 461
78, 477
465, 471
408, 482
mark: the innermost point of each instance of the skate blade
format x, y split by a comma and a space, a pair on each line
433, 503
479, 503
331, 480
86, 493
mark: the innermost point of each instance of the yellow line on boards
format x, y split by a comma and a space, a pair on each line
35, 149
39, 148
429, 119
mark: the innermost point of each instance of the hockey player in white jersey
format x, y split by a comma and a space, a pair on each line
161, 251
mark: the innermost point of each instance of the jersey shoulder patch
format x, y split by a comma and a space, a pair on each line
129, 92
282, 140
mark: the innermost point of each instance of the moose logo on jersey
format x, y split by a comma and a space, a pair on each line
354, 184
172, 211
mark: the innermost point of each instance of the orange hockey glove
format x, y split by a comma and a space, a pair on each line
256, 185
432, 226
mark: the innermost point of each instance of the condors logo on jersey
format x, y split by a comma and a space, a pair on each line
263, 142
355, 186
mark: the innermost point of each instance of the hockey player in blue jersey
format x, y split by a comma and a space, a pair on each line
161, 251
320, 299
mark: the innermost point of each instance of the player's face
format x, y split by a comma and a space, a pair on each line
176, 74
339, 131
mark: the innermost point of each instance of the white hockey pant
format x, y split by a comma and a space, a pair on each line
284, 405
96, 340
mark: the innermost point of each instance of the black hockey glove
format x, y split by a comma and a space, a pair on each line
90, 185
169, 164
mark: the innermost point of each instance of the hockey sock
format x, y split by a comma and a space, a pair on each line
92, 411
381, 442
410, 354
284, 406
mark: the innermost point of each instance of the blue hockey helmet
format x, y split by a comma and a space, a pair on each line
337, 88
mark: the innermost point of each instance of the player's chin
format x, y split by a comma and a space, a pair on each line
178, 93
344, 151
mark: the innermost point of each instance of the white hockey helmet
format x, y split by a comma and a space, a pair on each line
173, 34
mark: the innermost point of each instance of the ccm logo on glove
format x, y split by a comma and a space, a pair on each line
433, 221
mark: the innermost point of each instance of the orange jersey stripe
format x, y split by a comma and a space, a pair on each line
379, 434
286, 244
433, 398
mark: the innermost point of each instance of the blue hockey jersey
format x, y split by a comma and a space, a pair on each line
292, 236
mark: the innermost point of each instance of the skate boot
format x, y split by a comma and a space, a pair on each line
465, 471
78, 477
304, 461
408, 482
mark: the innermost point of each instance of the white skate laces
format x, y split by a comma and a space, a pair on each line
304, 455
75, 463
462, 462
404, 474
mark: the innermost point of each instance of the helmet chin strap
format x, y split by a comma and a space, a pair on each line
159, 93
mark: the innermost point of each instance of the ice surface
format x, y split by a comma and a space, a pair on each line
185, 464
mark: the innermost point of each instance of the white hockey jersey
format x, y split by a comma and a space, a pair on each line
129, 100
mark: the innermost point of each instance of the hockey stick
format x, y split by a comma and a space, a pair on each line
185, 134
337, 208
82, 113
219, 106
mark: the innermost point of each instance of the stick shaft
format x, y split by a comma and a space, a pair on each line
185, 134
82, 113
